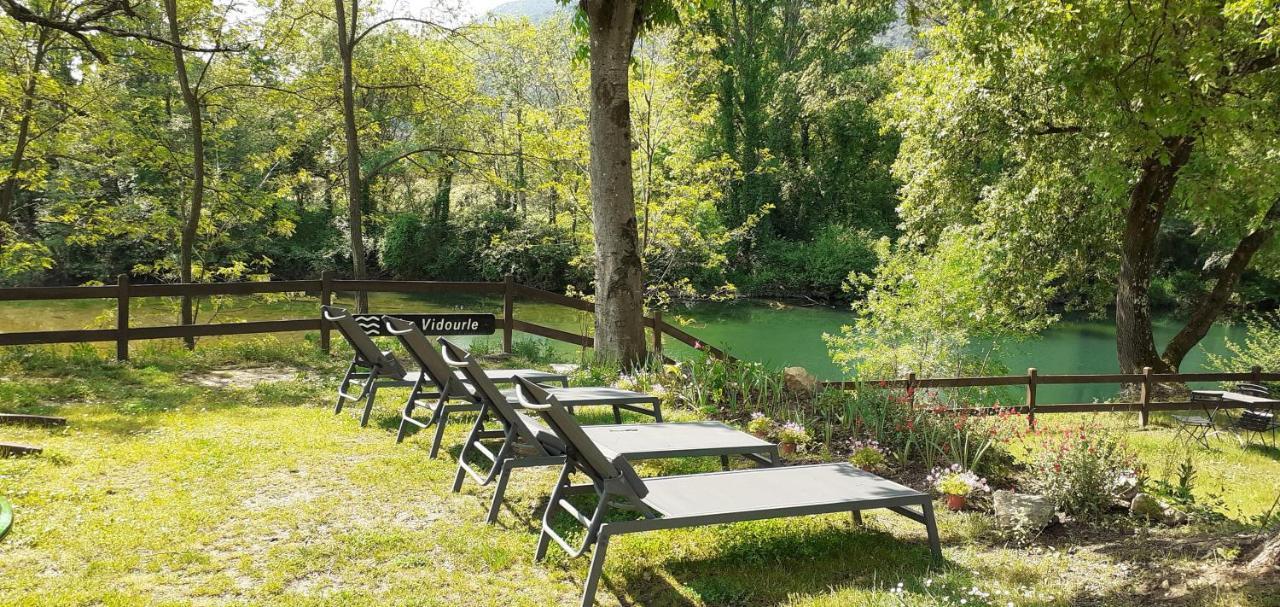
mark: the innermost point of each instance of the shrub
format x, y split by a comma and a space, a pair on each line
867, 455
486, 244
955, 480
817, 267
794, 433
1079, 468
760, 424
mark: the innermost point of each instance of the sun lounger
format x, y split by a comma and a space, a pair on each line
697, 500
441, 389
517, 430
371, 367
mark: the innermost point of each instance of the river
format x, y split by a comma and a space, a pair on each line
775, 333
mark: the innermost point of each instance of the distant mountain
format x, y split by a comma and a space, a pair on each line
535, 10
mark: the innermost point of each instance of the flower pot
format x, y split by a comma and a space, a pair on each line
761, 435
955, 502
787, 448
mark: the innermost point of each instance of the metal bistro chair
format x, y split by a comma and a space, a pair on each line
1198, 427
1252, 422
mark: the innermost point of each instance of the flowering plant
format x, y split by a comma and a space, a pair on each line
867, 455
955, 480
760, 424
792, 432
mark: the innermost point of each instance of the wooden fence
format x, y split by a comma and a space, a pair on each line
1145, 383
123, 291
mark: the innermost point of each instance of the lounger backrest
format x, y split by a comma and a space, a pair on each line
420, 349
459, 358
366, 350
594, 460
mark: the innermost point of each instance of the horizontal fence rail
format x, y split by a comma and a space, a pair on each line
123, 291
1145, 382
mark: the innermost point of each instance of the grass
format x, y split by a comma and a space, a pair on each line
165, 491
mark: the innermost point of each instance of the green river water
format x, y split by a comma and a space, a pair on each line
777, 334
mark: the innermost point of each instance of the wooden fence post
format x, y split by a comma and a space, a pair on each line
1032, 374
1144, 414
657, 334
1256, 372
508, 312
122, 317
911, 390
326, 298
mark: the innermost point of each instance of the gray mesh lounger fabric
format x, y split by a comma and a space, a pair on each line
787, 488
696, 500
691, 439
637, 441
441, 389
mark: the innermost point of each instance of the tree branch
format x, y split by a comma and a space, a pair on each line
1209, 308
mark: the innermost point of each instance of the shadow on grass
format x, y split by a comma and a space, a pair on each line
775, 568
1267, 451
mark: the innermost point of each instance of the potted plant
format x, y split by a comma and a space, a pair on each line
790, 435
956, 485
867, 455
760, 425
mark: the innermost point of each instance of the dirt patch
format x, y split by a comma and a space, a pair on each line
242, 378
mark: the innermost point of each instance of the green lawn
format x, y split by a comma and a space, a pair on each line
165, 491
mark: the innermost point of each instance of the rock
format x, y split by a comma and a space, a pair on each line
1146, 506
565, 369
799, 379
1017, 510
1125, 486
1173, 517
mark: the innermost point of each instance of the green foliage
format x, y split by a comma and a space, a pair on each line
922, 311
818, 267
1260, 346
486, 245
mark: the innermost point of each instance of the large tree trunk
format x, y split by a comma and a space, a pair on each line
355, 214
192, 221
1135, 343
9, 188
619, 282
1209, 308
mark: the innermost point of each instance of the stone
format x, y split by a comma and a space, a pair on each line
799, 379
565, 368
1147, 506
1173, 517
1022, 511
1125, 486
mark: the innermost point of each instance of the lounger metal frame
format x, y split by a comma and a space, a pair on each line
512, 430
370, 368
610, 486
443, 396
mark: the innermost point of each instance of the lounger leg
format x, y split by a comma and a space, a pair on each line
439, 435
368, 404
594, 572
657, 412
499, 490
857, 518
617, 415
724, 462
544, 538
472, 438
931, 527
342, 387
